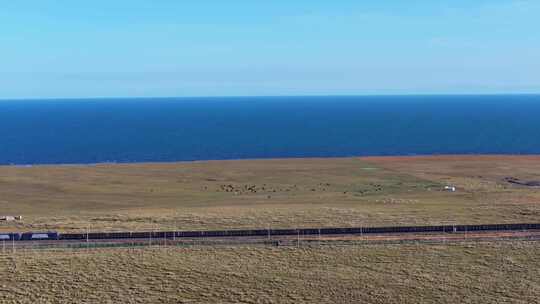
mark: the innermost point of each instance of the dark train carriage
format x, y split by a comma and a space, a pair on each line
39, 236
10, 236
283, 232
141, 235
72, 236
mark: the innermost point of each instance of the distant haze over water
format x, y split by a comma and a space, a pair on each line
181, 129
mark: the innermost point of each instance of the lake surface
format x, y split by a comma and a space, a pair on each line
180, 129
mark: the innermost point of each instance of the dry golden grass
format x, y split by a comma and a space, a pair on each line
270, 193
273, 193
506, 272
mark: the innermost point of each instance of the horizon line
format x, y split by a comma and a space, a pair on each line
264, 96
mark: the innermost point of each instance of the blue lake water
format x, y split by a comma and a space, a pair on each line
179, 129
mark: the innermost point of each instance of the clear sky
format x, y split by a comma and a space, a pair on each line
104, 48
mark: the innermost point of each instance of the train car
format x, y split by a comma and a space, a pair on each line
38, 236
72, 236
10, 236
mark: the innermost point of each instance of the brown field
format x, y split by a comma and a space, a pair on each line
277, 194
505, 272
271, 193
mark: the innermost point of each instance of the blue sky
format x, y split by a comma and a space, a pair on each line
126, 48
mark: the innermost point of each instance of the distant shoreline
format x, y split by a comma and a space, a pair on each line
392, 158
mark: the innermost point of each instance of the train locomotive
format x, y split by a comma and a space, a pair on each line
29, 236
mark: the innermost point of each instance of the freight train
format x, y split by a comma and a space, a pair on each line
39, 236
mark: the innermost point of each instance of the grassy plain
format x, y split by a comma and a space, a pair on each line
505, 272
274, 193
